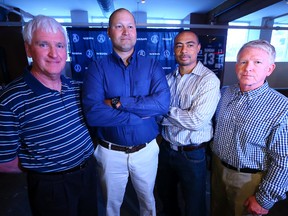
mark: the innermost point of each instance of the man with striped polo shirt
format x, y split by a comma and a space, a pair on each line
43, 131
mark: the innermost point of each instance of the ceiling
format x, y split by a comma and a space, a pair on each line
155, 9
279, 11
161, 9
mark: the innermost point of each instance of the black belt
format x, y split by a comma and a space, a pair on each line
74, 169
186, 147
126, 149
244, 170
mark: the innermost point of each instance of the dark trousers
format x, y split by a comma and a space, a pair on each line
72, 194
184, 170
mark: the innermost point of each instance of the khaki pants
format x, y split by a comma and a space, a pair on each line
230, 189
115, 167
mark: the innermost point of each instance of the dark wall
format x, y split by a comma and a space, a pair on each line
13, 55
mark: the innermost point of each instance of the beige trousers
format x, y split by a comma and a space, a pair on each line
230, 189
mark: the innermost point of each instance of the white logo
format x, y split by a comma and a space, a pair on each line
75, 38
101, 38
141, 53
166, 53
154, 39
77, 68
89, 53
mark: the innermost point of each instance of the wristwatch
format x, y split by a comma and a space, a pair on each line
115, 101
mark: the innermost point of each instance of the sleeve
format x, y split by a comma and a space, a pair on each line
201, 110
97, 113
153, 104
274, 184
10, 141
11, 166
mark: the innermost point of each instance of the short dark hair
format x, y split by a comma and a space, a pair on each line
188, 31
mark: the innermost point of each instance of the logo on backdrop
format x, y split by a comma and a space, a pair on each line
166, 53
77, 68
89, 53
154, 39
101, 38
75, 38
141, 52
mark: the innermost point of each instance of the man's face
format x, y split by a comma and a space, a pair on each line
122, 32
186, 48
252, 68
48, 51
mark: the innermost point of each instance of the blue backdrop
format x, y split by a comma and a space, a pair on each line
88, 44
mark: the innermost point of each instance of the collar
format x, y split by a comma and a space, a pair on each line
196, 70
36, 86
253, 93
132, 58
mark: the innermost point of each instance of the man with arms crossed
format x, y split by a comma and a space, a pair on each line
187, 128
123, 94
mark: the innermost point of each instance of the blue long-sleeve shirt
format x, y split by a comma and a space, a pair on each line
144, 94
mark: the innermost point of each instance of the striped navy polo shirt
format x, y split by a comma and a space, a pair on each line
44, 127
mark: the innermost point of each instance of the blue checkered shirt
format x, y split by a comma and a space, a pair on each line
252, 132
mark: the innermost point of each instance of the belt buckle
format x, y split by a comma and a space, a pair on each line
129, 149
174, 147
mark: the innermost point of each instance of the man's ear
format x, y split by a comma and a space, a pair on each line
199, 47
271, 69
27, 49
108, 32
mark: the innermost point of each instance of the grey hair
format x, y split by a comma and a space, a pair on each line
44, 23
263, 45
